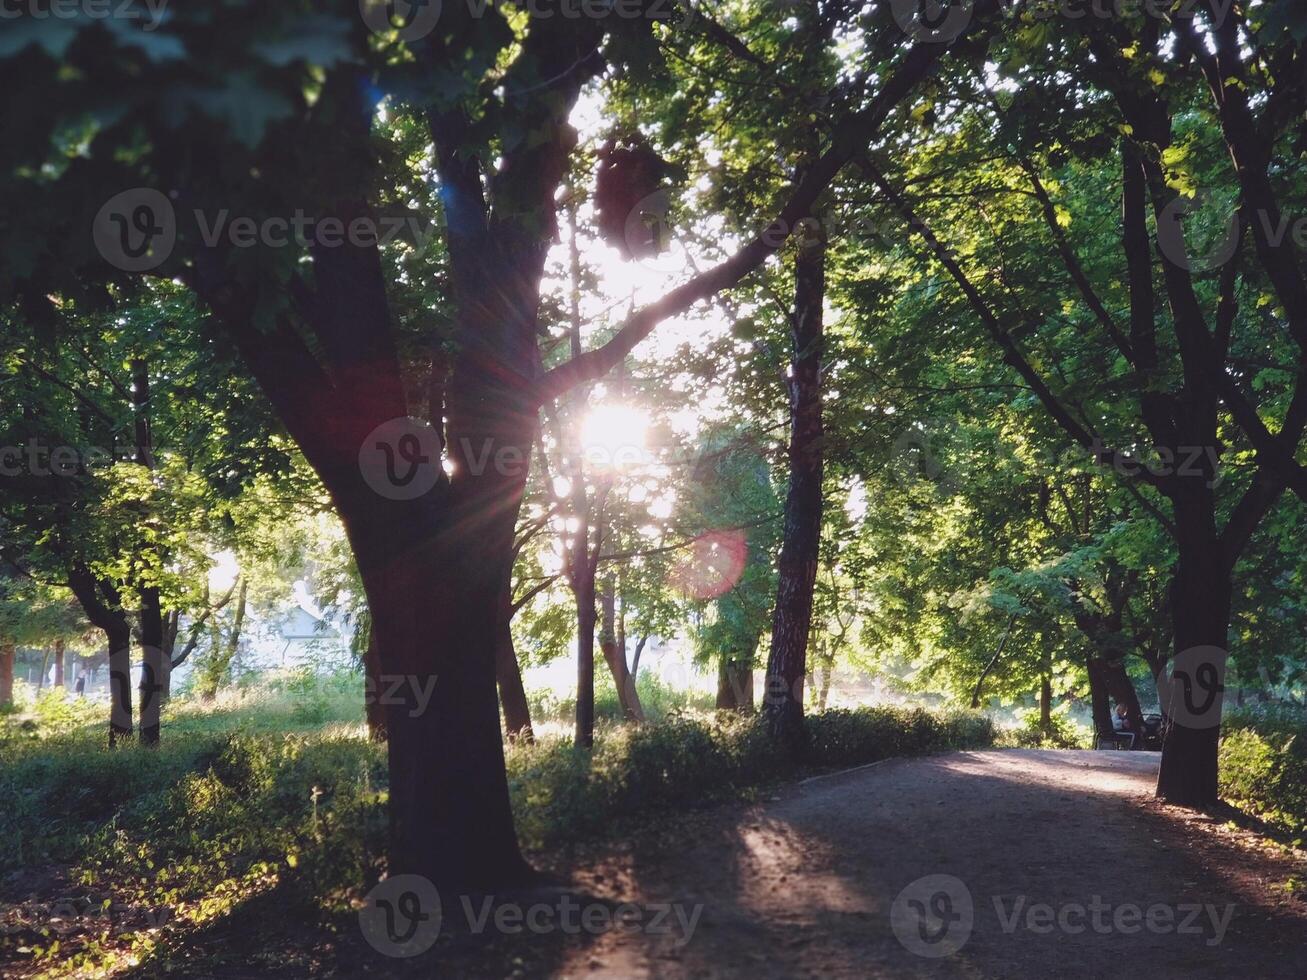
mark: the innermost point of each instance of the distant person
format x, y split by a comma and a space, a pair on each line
81, 686
1121, 724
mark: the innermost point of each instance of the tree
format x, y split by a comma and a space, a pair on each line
319, 334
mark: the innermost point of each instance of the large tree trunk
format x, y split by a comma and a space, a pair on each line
627, 696
436, 570
797, 569
59, 653
1192, 701
7, 655
508, 675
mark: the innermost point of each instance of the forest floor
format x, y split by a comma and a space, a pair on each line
1025, 863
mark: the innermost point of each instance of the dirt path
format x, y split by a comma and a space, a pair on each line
1043, 864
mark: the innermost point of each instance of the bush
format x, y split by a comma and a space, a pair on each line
1264, 767
658, 698
562, 794
1064, 732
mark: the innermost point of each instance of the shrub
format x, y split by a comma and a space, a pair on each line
1064, 732
1264, 772
561, 793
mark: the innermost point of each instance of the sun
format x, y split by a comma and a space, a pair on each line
613, 436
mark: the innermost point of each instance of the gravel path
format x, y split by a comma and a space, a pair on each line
976, 864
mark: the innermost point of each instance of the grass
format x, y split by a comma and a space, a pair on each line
276, 788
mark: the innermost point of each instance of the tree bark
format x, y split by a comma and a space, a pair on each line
1122, 691
980, 681
508, 675
1046, 704
59, 653
1200, 607
797, 568
119, 637
7, 655
627, 696
635, 657
374, 687
154, 664
735, 684
583, 588
436, 569
1100, 705
171, 622
102, 603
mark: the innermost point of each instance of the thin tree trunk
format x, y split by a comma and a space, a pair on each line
1100, 705
993, 661
171, 623
1046, 705
102, 603
583, 588
726, 697
797, 568
627, 696
508, 675
823, 692
59, 653
216, 671
374, 688
635, 658
119, 638
154, 664
45, 665
7, 656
